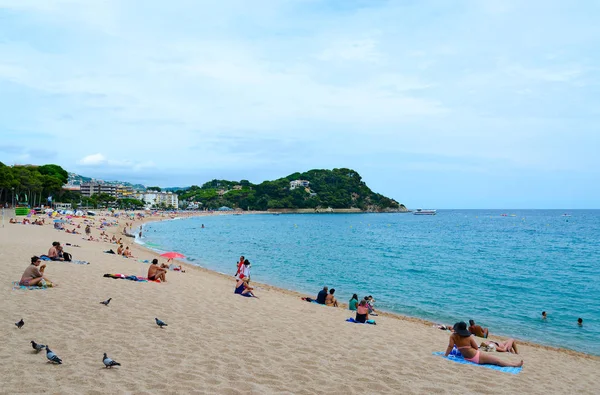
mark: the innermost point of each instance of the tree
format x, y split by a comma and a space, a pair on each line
157, 189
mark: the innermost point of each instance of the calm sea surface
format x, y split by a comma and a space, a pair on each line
502, 271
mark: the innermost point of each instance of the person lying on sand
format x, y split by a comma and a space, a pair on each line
330, 300
509, 345
156, 273
462, 339
478, 330
34, 274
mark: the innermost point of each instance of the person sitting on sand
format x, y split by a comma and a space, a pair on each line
13, 221
370, 304
353, 303
362, 312
478, 330
462, 339
156, 273
242, 287
54, 252
120, 250
330, 300
32, 275
322, 295
127, 253
509, 345
114, 239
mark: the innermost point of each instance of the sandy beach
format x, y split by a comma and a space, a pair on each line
220, 343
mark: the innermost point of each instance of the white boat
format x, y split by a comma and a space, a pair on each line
424, 212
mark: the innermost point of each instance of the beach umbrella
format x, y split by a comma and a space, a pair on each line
172, 255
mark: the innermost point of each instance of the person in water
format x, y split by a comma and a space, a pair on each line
462, 339
322, 295
544, 316
362, 312
330, 300
353, 303
478, 330
580, 321
507, 346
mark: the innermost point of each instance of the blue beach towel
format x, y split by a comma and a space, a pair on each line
372, 322
16, 285
461, 360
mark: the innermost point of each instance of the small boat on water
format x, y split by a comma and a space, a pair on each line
424, 212
566, 215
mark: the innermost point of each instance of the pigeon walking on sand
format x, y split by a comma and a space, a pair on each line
52, 357
37, 347
20, 323
109, 363
160, 323
106, 302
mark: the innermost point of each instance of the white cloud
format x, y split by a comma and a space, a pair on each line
93, 160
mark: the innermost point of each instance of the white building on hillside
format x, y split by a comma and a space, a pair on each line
155, 199
299, 183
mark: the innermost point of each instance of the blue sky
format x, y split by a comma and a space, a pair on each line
438, 104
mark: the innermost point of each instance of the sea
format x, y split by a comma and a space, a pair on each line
501, 268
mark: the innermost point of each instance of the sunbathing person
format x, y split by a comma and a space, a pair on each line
34, 275
462, 339
120, 250
127, 253
478, 330
156, 273
507, 346
330, 300
243, 288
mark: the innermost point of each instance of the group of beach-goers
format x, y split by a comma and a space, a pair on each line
242, 276
462, 340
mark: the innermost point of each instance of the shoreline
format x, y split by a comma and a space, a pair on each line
344, 305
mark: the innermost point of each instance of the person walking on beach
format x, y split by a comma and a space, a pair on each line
462, 339
239, 266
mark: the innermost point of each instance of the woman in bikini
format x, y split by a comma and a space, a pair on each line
462, 339
508, 346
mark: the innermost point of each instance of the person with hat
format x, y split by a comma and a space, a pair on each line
465, 343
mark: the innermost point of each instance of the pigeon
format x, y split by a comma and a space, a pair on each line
106, 302
109, 363
37, 347
160, 323
20, 323
52, 357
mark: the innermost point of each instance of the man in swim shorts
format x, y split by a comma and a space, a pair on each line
478, 330
155, 272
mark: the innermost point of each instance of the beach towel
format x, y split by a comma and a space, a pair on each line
372, 322
16, 285
130, 277
461, 360
78, 262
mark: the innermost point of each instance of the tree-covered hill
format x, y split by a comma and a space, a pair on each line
337, 188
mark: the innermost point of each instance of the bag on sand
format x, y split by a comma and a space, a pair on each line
67, 257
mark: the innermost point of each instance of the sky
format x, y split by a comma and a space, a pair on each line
437, 104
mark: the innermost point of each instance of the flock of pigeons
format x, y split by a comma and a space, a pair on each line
52, 357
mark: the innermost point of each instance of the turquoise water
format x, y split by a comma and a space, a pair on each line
502, 271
